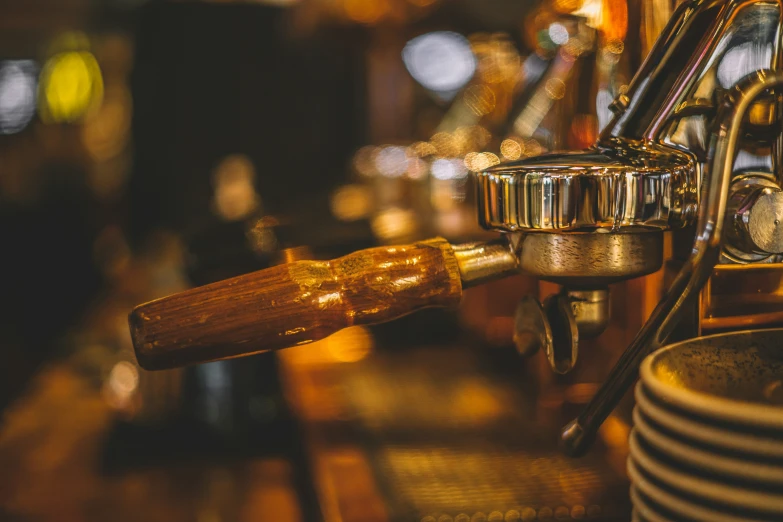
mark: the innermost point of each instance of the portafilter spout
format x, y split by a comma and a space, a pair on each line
578, 435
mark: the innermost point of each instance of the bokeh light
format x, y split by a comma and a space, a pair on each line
71, 86
235, 194
558, 33
364, 161
531, 147
475, 137
417, 168
441, 61
445, 144
480, 99
120, 387
350, 344
511, 149
106, 132
423, 149
448, 169
352, 202
260, 234
391, 161
17, 94
481, 161
365, 11
394, 223
555, 88
498, 58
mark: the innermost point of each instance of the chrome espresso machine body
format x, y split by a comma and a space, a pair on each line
693, 148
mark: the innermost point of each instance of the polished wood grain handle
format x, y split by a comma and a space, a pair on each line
293, 304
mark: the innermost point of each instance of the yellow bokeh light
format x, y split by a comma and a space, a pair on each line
533, 147
614, 433
511, 149
469, 139
481, 161
470, 160
423, 149
394, 223
498, 59
71, 86
480, 99
350, 345
445, 144
352, 202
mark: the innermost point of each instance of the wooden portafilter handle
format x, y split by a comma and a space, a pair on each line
304, 301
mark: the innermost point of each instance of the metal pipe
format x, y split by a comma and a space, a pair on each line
482, 262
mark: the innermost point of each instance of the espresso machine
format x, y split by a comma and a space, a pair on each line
690, 156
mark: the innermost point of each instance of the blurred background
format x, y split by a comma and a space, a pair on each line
150, 146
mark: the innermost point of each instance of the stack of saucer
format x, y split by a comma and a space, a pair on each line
707, 442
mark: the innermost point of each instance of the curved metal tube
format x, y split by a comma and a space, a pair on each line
578, 435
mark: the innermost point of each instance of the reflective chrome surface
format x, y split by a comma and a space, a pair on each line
562, 352
578, 435
482, 262
531, 327
646, 166
559, 323
550, 326
591, 310
755, 231
618, 183
707, 47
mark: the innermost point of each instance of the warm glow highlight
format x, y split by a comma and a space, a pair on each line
235, 194
365, 11
352, 202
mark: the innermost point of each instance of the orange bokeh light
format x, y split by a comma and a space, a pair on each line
366, 11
